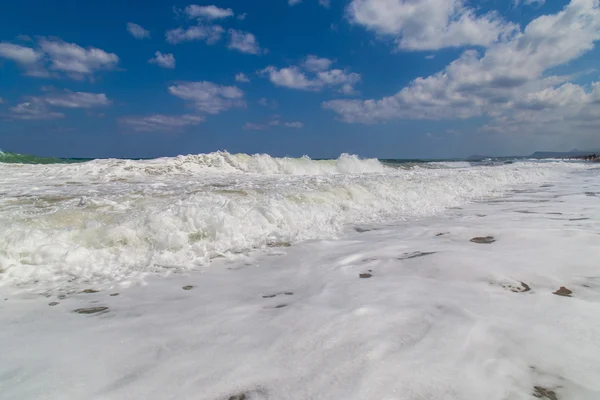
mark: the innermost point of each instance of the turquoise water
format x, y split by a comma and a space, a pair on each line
16, 158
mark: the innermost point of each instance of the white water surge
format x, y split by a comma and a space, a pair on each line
117, 220
411, 309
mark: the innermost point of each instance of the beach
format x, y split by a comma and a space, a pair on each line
248, 277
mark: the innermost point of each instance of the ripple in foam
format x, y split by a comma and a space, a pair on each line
117, 220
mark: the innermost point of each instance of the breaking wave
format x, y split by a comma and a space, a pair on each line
117, 220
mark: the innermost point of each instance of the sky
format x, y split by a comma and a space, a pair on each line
377, 78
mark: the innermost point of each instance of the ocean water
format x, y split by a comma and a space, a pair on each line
218, 275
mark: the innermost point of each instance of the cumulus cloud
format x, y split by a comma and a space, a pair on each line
40, 107
19, 54
160, 122
137, 31
30, 60
208, 12
75, 61
163, 60
291, 77
508, 82
210, 34
203, 97
242, 78
243, 41
294, 2
314, 63
70, 99
337, 77
208, 97
428, 24
33, 110
295, 78
347, 89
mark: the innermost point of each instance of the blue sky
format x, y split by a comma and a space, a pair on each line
378, 78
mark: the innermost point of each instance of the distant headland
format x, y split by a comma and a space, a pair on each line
575, 153
593, 155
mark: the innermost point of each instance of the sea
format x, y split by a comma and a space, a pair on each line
249, 277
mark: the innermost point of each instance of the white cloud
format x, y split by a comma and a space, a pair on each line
208, 12
296, 125
1, 100
33, 110
244, 42
348, 89
507, 83
19, 54
314, 63
210, 34
28, 59
209, 97
293, 78
137, 31
242, 78
294, 2
59, 56
242, 17
337, 77
75, 100
40, 107
163, 60
428, 24
76, 61
562, 96
160, 122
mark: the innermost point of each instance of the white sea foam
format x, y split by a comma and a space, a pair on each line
302, 325
117, 220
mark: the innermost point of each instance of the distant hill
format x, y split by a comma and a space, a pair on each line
563, 154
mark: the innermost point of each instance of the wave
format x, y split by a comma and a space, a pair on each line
224, 162
117, 220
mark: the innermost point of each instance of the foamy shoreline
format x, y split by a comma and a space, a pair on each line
439, 316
